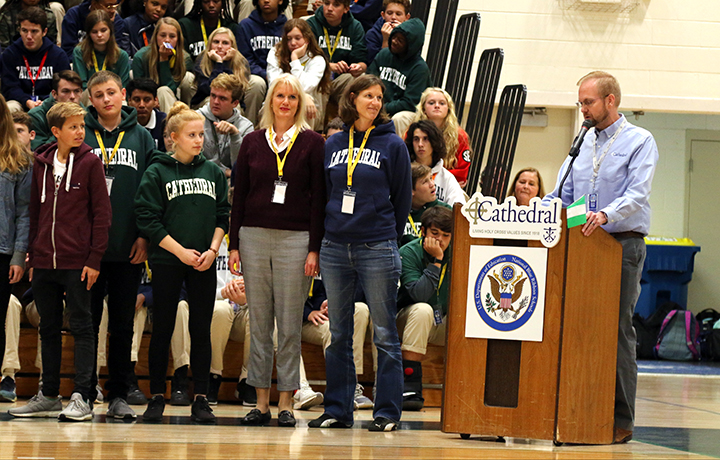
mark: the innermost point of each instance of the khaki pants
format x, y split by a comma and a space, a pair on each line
180, 342
167, 97
11, 360
416, 326
254, 98
229, 325
402, 121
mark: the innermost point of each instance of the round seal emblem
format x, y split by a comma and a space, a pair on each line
506, 293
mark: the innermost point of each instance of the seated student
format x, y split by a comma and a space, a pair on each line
99, 51
243, 8
404, 72
224, 127
342, 39
394, 13
437, 106
24, 128
299, 54
166, 62
423, 297
231, 321
256, 36
22, 90
423, 198
77, 248
66, 87
366, 12
316, 330
141, 25
426, 146
221, 56
334, 126
73, 25
203, 19
179, 344
8, 20
142, 96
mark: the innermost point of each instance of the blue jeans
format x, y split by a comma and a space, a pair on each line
376, 266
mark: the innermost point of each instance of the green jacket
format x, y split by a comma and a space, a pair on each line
193, 36
419, 278
351, 48
185, 201
412, 226
405, 76
141, 69
43, 135
9, 28
121, 67
133, 157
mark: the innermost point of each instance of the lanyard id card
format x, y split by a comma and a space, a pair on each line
592, 202
438, 317
348, 202
279, 192
109, 183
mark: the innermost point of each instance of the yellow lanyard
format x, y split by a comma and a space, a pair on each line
96, 64
327, 42
412, 224
442, 276
148, 271
312, 284
102, 146
202, 26
352, 158
281, 163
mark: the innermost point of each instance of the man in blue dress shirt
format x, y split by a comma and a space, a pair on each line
614, 170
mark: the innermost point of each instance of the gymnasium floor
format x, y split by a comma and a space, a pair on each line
678, 417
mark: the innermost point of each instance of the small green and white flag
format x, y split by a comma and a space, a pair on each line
576, 213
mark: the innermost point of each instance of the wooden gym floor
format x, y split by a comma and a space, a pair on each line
678, 416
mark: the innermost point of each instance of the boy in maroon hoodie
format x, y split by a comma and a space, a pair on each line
70, 216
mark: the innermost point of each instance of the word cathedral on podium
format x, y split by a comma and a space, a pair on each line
532, 325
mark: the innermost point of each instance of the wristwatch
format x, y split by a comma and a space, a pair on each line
435, 260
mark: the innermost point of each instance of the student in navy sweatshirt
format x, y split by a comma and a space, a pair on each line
369, 197
29, 63
141, 25
73, 26
256, 35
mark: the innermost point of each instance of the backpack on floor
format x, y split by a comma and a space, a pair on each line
679, 338
647, 329
709, 337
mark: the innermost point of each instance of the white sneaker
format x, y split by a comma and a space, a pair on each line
77, 410
305, 398
361, 401
38, 406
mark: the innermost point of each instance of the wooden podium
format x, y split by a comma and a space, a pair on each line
561, 389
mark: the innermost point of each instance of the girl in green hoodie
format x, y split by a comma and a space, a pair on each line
182, 206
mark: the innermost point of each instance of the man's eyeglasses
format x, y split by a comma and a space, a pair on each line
588, 102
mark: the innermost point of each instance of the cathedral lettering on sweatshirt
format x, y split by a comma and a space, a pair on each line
393, 76
368, 157
264, 42
196, 186
344, 44
123, 157
45, 74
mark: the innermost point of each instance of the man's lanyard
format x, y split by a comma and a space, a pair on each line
412, 224
597, 162
102, 146
95, 63
281, 163
327, 42
30, 75
202, 26
352, 158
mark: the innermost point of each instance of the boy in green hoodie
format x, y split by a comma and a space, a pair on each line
404, 72
424, 197
342, 39
126, 149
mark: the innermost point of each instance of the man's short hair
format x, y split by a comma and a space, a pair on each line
34, 15
439, 217
335, 123
345, 2
419, 171
60, 112
143, 84
101, 77
22, 118
405, 4
229, 82
281, 6
606, 84
67, 75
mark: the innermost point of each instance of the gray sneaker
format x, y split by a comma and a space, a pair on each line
361, 401
119, 408
38, 406
77, 410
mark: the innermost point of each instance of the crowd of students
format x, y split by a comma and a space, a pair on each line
249, 215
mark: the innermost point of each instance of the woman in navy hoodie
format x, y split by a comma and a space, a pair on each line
369, 196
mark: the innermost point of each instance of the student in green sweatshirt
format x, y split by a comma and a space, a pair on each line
182, 206
201, 21
126, 150
424, 197
404, 72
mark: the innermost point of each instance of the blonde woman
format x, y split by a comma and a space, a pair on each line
437, 106
221, 56
276, 228
166, 62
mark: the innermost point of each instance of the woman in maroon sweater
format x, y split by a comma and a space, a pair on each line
277, 224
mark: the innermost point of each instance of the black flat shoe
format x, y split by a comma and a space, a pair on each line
286, 419
256, 418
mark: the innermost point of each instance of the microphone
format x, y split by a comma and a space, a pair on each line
575, 149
